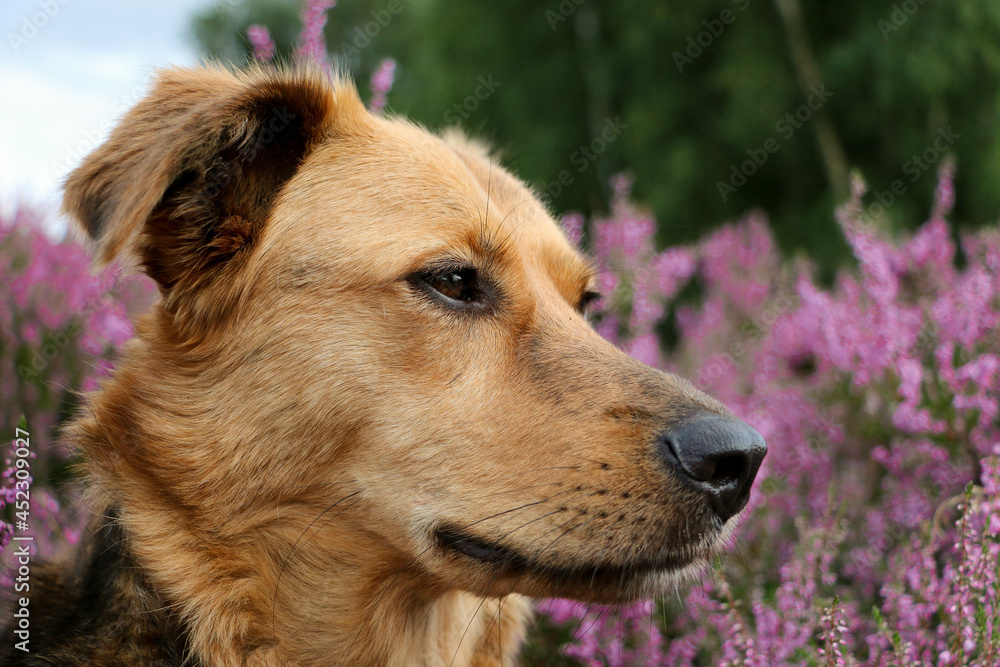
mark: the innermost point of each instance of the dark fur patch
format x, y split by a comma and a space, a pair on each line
187, 181
99, 611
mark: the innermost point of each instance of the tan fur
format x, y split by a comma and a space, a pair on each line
294, 419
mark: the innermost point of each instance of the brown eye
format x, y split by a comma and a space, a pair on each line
456, 284
587, 300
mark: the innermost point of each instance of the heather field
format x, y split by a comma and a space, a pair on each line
873, 532
872, 535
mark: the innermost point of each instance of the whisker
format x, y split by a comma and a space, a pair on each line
520, 488
500, 628
576, 633
495, 618
594, 622
515, 509
564, 534
564, 523
527, 523
577, 456
597, 563
523, 472
274, 603
388, 586
468, 625
471, 563
505, 240
489, 184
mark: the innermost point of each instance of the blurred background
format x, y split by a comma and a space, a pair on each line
715, 107
700, 150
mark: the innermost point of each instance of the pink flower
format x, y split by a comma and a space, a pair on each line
260, 40
572, 225
312, 44
381, 83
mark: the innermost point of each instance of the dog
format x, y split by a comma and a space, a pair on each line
367, 421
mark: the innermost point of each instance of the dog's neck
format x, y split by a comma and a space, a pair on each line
273, 583
327, 608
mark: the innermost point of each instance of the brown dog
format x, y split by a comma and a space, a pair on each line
368, 418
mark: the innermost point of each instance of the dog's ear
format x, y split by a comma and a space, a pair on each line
188, 178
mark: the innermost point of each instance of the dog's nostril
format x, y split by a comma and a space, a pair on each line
720, 456
704, 466
728, 469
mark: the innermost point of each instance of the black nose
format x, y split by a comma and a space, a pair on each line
718, 455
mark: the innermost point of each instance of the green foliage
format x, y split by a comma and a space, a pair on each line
898, 72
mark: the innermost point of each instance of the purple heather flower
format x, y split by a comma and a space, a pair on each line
260, 40
381, 84
311, 43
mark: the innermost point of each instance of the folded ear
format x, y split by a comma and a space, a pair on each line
188, 178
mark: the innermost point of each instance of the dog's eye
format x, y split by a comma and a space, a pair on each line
587, 300
456, 284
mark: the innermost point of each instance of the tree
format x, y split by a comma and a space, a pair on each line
716, 107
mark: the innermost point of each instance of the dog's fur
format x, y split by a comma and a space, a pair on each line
307, 456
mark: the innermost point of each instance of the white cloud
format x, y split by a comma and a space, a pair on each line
64, 85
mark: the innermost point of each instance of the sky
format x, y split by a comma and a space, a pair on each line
68, 69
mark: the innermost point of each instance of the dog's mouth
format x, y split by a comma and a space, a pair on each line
600, 580
478, 549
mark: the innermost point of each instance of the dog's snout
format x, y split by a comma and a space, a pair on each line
718, 455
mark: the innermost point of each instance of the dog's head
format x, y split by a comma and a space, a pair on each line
382, 328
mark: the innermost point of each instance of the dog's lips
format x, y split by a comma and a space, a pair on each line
507, 560
476, 548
